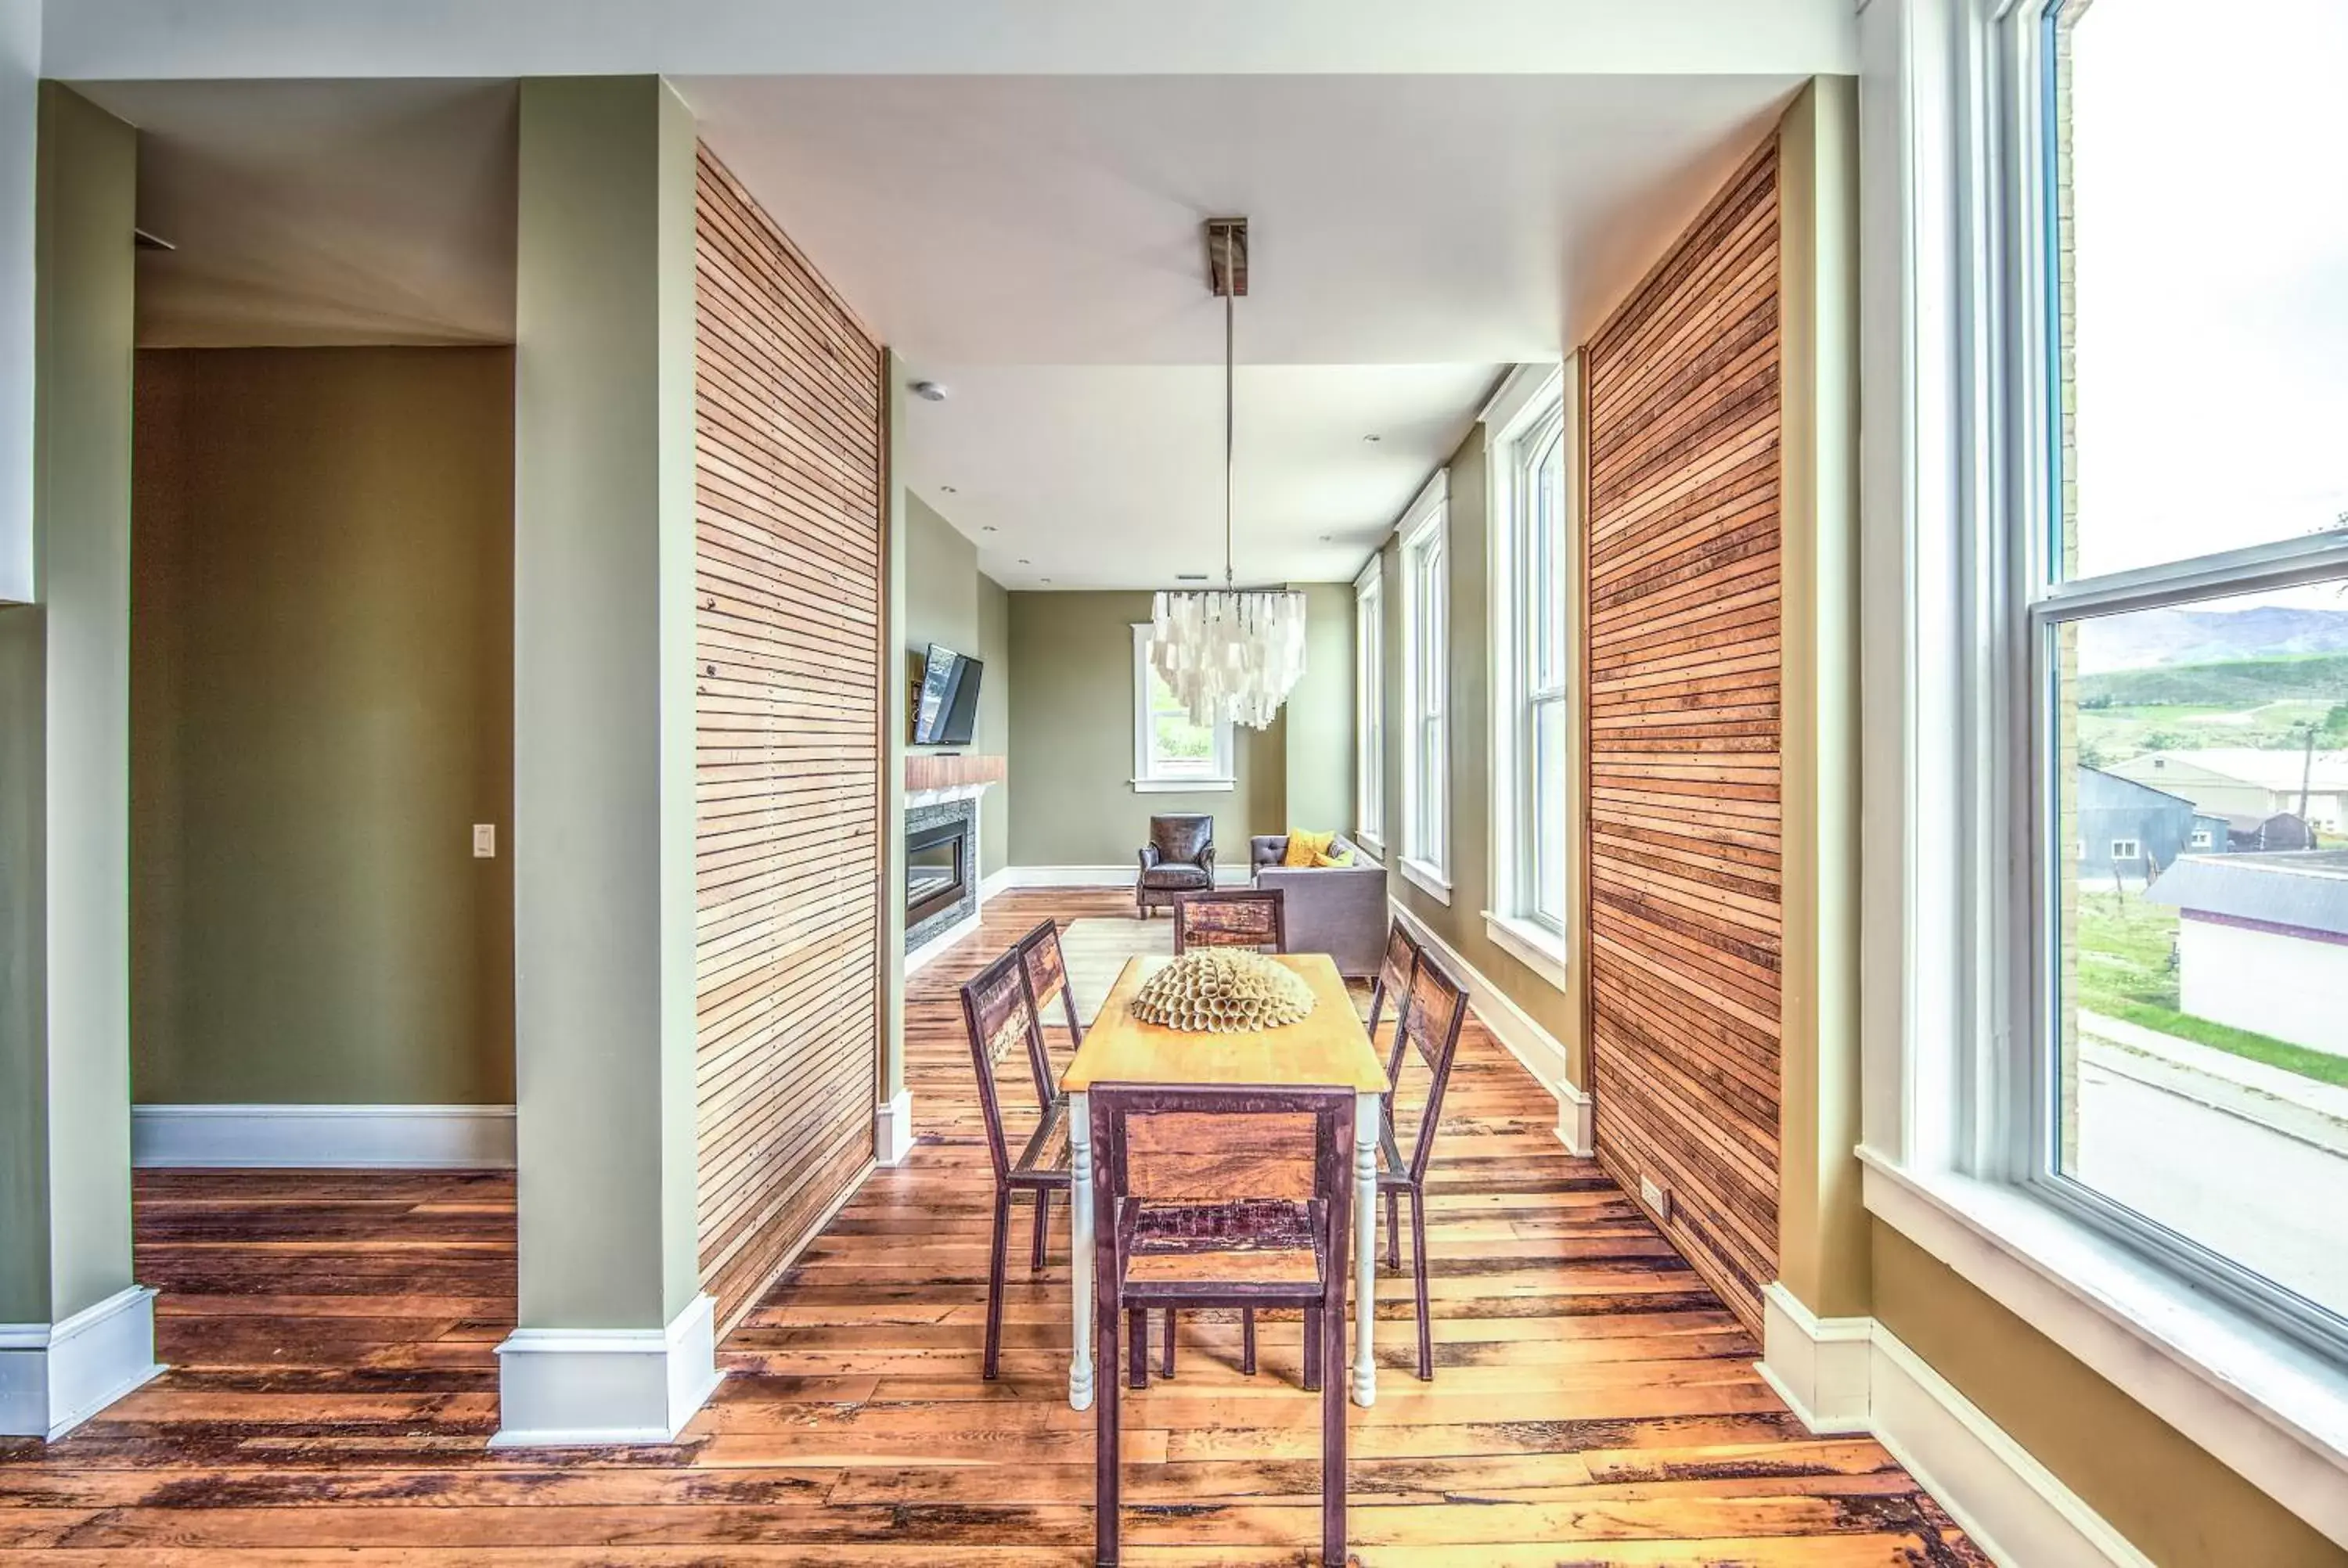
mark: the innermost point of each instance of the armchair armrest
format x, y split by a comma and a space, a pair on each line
1206, 859
1148, 855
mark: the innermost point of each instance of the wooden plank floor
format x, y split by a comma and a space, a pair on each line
334, 1386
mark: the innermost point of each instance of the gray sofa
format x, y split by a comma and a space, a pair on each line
1340, 910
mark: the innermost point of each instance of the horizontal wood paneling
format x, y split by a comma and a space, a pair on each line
1683, 619
789, 549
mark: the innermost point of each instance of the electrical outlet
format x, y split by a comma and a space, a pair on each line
485, 841
1656, 1196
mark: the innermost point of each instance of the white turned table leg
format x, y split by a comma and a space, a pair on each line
1080, 1248
1367, 1111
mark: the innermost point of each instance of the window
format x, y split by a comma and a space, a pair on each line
1169, 752
1425, 622
1527, 442
1370, 707
2180, 588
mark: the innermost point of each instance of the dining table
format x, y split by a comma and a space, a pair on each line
1328, 1047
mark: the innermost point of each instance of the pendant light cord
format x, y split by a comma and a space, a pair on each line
1229, 419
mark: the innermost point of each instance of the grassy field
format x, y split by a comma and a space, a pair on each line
2268, 703
2124, 973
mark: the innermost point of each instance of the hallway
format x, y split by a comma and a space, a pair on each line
334, 1386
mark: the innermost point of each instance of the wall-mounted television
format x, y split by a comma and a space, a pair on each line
947, 705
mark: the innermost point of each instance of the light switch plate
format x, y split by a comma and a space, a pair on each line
485, 841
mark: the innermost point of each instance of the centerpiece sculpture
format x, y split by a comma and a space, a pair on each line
1222, 991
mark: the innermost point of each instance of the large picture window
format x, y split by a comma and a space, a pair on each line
1370, 707
1169, 752
1426, 620
1527, 435
2181, 486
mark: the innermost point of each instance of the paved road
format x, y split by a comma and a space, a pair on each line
2275, 1203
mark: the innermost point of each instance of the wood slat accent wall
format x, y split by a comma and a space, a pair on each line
1682, 744
788, 642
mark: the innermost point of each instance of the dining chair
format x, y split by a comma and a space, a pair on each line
999, 1017
1399, 962
1239, 917
1221, 1195
1046, 969
1432, 1011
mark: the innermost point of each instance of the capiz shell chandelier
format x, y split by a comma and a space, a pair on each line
1229, 655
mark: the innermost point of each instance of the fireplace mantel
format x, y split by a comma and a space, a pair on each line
951, 770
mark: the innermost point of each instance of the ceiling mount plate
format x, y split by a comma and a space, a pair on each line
1227, 257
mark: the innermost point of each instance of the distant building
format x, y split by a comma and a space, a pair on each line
2130, 830
2282, 831
2262, 942
2245, 782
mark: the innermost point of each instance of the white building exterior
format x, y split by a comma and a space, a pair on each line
2244, 781
2263, 943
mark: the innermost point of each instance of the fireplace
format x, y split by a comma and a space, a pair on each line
937, 868
941, 867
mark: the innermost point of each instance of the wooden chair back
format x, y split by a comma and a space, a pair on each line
1395, 967
1046, 969
1218, 1144
1242, 918
999, 1017
1432, 1011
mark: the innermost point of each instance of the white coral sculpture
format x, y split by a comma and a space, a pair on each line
1222, 991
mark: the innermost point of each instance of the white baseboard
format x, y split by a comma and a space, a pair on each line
1226, 876
302, 1137
1515, 1028
1853, 1374
1819, 1366
572, 1388
941, 942
892, 1129
54, 1377
997, 881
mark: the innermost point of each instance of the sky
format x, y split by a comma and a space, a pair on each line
2211, 176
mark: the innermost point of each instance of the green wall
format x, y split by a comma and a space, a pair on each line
1318, 722
948, 600
1470, 796
322, 698
1072, 742
65, 722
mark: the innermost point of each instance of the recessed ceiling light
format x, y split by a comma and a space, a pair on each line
1024, 561
1326, 537
986, 527
1373, 438
945, 490
1043, 579
928, 392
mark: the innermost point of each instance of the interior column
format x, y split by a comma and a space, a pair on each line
614, 1341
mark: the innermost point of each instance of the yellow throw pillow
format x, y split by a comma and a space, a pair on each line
1306, 848
1336, 857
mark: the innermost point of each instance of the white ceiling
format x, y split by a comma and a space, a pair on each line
323, 212
1033, 243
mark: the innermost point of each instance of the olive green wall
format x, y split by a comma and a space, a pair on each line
1073, 803
65, 719
321, 702
948, 600
1467, 703
1318, 722
2176, 1504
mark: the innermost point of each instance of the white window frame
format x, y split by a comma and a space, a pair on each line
2200, 838
1529, 404
1370, 708
1148, 777
2134, 850
1951, 448
1426, 574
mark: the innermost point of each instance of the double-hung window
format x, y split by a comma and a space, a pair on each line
1172, 753
1426, 744
1527, 438
1370, 707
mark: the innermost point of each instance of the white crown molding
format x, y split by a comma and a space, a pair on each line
54, 1377
1515, 1028
570, 1387
892, 1129
305, 1137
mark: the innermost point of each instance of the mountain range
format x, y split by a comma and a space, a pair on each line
2154, 637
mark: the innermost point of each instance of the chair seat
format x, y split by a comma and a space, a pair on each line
1268, 1247
1175, 877
1045, 1161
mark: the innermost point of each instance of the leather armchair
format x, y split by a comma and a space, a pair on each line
1178, 858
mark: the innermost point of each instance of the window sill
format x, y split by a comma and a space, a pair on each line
1426, 879
2274, 1412
1533, 944
1182, 786
1374, 844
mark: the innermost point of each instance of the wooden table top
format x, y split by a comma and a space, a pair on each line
1328, 1046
